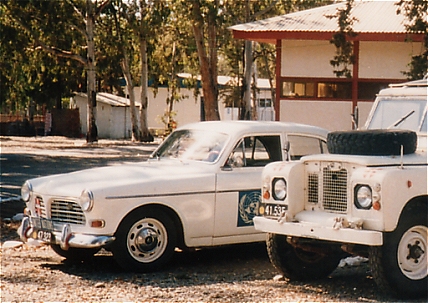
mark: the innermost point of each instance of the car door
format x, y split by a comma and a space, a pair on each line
238, 185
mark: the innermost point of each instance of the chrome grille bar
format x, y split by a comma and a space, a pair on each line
67, 212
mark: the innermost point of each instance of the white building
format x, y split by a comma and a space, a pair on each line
307, 90
113, 116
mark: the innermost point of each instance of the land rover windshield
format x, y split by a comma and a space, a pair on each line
400, 113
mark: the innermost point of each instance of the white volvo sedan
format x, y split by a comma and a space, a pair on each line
200, 187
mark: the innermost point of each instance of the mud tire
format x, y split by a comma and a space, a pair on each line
399, 266
377, 142
296, 264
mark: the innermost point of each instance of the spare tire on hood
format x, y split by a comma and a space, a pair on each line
375, 142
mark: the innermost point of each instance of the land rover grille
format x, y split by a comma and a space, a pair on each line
328, 185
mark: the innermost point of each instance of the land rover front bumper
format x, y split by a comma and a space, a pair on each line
334, 230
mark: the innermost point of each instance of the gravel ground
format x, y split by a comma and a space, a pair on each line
239, 273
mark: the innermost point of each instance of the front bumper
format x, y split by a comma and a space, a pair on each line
319, 232
66, 237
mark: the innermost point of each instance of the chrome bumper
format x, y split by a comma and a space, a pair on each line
65, 238
320, 232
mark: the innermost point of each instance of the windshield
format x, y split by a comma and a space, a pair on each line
192, 145
399, 113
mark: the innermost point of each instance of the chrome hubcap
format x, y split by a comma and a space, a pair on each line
147, 240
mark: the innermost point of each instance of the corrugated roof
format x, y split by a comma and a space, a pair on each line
372, 17
110, 99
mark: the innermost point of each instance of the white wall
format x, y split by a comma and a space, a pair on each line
332, 115
378, 60
307, 58
386, 60
188, 110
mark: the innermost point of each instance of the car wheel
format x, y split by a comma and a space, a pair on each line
400, 265
145, 241
297, 264
380, 142
75, 254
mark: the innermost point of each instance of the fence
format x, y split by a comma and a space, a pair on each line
60, 122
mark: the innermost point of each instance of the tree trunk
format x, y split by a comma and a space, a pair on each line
134, 121
145, 135
208, 67
92, 132
248, 60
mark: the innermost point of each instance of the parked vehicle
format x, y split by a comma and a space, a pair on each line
201, 187
368, 197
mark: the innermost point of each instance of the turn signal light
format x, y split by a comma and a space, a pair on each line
266, 195
376, 206
98, 223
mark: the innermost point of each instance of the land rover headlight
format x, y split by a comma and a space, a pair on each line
26, 191
86, 200
279, 189
363, 197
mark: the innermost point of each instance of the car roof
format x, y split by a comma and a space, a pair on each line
411, 88
256, 126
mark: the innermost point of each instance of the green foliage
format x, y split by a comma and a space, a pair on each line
416, 12
341, 40
29, 72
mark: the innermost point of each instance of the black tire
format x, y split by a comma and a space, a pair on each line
75, 254
297, 264
375, 142
145, 241
399, 267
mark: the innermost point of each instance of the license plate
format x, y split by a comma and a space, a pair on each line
274, 210
42, 229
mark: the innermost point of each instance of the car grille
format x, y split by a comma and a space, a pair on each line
313, 188
62, 211
335, 191
330, 186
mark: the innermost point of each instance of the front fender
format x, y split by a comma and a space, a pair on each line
295, 185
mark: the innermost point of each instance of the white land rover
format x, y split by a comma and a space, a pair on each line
368, 197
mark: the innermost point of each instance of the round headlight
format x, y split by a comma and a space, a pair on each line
363, 197
86, 200
279, 189
26, 191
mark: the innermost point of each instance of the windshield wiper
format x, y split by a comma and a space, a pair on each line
401, 120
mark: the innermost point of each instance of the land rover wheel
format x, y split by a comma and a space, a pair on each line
380, 142
145, 241
297, 264
75, 254
400, 266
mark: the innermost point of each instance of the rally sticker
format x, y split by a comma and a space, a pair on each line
248, 206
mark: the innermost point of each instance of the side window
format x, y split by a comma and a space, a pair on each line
256, 151
302, 146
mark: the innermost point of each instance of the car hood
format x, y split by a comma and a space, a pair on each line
418, 158
136, 179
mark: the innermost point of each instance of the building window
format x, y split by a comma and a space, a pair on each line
368, 90
265, 102
298, 89
330, 89
335, 90
313, 89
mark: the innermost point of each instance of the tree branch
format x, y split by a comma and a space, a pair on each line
50, 49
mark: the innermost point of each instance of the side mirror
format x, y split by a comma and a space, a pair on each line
287, 150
